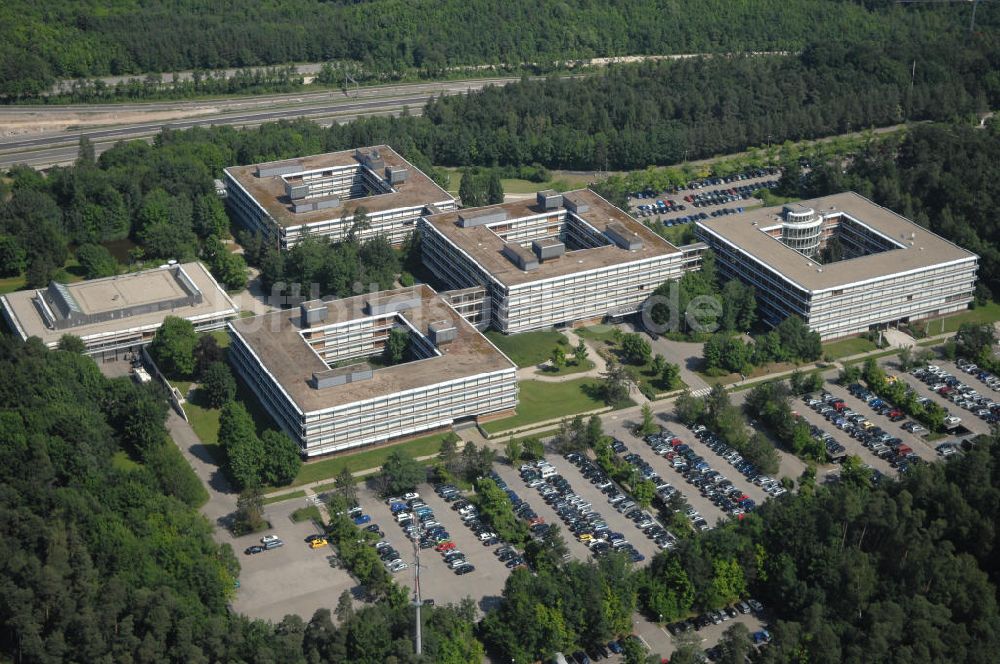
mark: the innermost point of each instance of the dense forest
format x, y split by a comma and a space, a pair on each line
41, 42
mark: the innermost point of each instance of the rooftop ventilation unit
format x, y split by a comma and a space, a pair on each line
313, 312
296, 191
370, 158
316, 204
442, 332
396, 174
617, 233
353, 373
549, 199
548, 248
389, 305
520, 256
279, 168
481, 217
575, 203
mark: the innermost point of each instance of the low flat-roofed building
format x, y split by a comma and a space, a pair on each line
320, 194
885, 270
317, 369
120, 312
560, 259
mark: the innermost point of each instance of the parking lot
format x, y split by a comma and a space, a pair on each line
701, 200
437, 581
616, 520
851, 445
720, 464
510, 475
290, 579
923, 449
969, 420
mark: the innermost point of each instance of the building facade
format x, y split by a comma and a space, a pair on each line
843, 264
568, 258
122, 312
324, 195
318, 371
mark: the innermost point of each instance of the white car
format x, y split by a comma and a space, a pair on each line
268, 538
411, 496
393, 499
398, 566
485, 536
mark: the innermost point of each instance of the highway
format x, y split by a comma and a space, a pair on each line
43, 150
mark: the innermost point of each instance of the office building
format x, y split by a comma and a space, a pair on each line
122, 312
321, 195
557, 260
319, 371
842, 263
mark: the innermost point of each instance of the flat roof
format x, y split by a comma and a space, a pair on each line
921, 248
276, 341
486, 247
98, 296
103, 295
269, 191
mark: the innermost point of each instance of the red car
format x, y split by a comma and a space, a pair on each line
447, 545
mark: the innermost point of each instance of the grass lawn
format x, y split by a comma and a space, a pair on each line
561, 181
570, 368
122, 461
284, 497
540, 401
221, 338
11, 284
598, 333
324, 469
528, 348
183, 386
987, 313
847, 347
205, 422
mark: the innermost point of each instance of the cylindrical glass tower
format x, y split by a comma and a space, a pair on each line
801, 229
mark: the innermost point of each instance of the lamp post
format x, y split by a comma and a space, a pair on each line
417, 601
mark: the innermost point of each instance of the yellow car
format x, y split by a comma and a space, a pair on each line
317, 543
586, 537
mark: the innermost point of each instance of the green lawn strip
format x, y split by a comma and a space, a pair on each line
285, 496
529, 349
568, 369
847, 347
11, 284
987, 313
862, 360
540, 401
315, 471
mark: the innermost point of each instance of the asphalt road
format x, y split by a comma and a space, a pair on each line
59, 148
